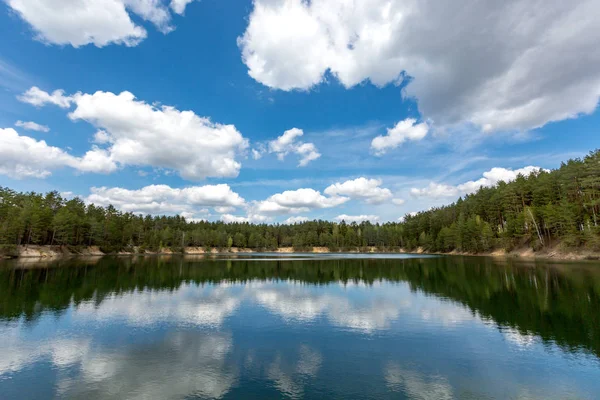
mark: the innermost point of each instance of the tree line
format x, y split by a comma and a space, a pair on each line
539, 210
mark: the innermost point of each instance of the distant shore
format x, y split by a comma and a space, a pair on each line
34, 251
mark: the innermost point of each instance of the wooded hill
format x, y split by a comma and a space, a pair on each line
540, 210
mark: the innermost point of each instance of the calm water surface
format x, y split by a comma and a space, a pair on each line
299, 326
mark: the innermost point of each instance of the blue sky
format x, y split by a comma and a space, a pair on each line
395, 115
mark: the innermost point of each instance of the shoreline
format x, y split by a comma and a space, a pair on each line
55, 252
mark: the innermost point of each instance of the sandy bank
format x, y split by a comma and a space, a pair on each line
33, 251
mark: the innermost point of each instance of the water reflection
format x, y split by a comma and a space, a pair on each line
435, 328
300, 303
188, 304
417, 385
558, 304
289, 377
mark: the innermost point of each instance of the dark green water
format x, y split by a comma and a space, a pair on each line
299, 327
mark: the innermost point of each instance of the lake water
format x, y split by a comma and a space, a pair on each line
301, 326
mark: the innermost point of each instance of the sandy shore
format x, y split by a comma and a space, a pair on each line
33, 251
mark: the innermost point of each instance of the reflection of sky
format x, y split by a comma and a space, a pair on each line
284, 338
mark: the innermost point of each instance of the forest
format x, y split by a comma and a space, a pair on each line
543, 210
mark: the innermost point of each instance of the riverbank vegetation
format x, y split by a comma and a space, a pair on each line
539, 211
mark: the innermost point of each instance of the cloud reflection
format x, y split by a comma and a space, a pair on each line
289, 378
417, 385
188, 305
184, 364
354, 310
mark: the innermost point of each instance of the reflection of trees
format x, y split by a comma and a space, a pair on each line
554, 304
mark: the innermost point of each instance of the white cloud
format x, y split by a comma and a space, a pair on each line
99, 22
250, 218
179, 6
37, 97
224, 209
256, 154
403, 131
295, 220
410, 214
398, 202
97, 160
357, 218
308, 152
497, 75
146, 135
368, 190
296, 201
102, 137
141, 134
32, 126
163, 199
191, 216
435, 190
287, 143
490, 178
25, 157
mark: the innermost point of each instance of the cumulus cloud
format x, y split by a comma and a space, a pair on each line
140, 134
250, 218
403, 131
490, 178
163, 199
398, 202
97, 160
191, 216
368, 190
98, 22
435, 190
25, 157
179, 6
286, 144
102, 137
297, 201
32, 126
224, 209
256, 154
410, 214
295, 220
37, 97
496, 75
357, 218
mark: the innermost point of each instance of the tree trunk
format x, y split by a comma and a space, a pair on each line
536, 227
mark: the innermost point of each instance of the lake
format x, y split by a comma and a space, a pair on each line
299, 326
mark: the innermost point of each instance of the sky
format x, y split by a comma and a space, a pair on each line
287, 110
